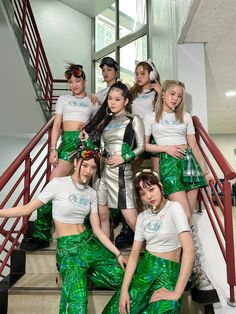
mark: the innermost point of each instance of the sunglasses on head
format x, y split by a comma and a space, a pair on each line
89, 154
76, 71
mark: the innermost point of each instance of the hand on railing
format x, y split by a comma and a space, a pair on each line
209, 178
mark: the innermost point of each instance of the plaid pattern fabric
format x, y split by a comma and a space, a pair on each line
191, 169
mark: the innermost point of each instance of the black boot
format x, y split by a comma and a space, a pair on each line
125, 238
33, 244
202, 290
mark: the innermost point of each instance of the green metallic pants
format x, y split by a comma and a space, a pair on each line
151, 274
43, 223
80, 257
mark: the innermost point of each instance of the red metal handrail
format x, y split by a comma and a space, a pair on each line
18, 182
224, 232
31, 40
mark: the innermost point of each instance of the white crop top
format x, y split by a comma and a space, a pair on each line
143, 103
160, 231
168, 131
70, 203
75, 109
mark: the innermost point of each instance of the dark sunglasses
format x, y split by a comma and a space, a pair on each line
76, 71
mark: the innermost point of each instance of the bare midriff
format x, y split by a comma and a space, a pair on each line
172, 255
66, 229
73, 125
181, 146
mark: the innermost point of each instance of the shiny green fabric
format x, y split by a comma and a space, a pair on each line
152, 273
80, 257
69, 144
172, 177
43, 223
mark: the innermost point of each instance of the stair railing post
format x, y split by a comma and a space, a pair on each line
229, 241
49, 151
27, 182
24, 11
37, 60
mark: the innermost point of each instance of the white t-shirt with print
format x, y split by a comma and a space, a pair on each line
160, 231
71, 202
168, 131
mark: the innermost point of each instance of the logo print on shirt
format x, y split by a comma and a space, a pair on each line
153, 226
169, 122
79, 200
78, 103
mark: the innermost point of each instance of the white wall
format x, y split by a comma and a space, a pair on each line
10, 149
19, 110
191, 71
66, 36
226, 143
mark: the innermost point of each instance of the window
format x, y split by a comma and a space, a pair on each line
136, 50
132, 17
121, 33
105, 28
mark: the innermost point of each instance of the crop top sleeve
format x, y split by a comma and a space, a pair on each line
75, 109
160, 231
169, 131
71, 202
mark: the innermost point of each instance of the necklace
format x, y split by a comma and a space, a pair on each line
83, 185
157, 209
119, 116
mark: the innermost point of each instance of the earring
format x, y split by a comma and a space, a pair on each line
109, 113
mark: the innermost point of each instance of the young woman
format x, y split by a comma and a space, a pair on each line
143, 96
110, 73
80, 253
182, 169
122, 139
155, 283
72, 112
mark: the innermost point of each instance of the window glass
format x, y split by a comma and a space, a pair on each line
105, 28
132, 16
136, 50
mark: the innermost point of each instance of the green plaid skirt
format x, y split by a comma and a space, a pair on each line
180, 174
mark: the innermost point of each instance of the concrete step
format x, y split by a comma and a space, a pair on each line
40, 293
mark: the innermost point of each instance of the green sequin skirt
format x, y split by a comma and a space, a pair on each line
69, 144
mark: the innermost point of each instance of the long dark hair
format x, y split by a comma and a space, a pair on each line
103, 117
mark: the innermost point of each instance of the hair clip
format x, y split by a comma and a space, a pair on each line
148, 170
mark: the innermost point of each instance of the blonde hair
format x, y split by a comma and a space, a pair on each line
179, 112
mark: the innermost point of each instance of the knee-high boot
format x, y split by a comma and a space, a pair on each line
202, 290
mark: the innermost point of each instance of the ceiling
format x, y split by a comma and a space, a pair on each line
212, 23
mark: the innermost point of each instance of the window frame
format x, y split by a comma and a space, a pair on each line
119, 42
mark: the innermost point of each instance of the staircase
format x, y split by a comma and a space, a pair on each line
38, 290
23, 24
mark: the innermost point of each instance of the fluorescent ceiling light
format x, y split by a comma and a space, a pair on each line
231, 93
